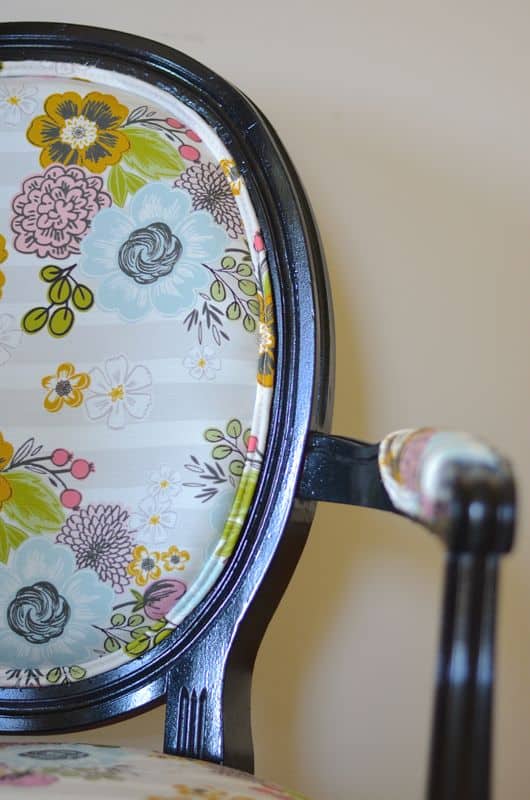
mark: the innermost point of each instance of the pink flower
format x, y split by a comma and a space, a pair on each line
272, 791
24, 777
161, 596
54, 210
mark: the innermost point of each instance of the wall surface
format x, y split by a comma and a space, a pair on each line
410, 125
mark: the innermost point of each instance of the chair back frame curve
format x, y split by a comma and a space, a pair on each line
203, 669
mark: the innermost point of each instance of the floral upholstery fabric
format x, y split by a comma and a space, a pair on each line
65, 771
136, 367
413, 464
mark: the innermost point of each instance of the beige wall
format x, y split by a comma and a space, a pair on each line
410, 124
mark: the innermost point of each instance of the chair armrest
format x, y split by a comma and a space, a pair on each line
454, 484
463, 491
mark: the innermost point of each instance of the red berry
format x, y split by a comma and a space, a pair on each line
189, 153
175, 123
192, 135
60, 457
252, 444
70, 498
259, 244
80, 468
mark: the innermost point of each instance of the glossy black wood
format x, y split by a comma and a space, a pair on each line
342, 470
204, 668
478, 528
462, 728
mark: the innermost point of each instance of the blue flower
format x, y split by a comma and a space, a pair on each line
49, 608
61, 755
150, 255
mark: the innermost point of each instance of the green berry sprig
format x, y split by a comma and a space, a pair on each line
65, 294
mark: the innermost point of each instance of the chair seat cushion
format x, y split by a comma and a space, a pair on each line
66, 771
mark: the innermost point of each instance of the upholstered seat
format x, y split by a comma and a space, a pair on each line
67, 771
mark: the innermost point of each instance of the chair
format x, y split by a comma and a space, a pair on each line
155, 496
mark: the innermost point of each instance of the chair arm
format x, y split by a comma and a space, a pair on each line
454, 484
463, 491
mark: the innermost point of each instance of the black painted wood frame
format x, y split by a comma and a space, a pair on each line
203, 669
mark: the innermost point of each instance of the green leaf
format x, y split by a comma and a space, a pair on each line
213, 435
117, 619
246, 437
54, 675
33, 505
228, 262
249, 323
253, 307
134, 620
233, 311
137, 646
232, 528
82, 297
60, 291
137, 633
117, 184
218, 291
158, 624
76, 673
134, 182
61, 321
10, 538
234, 428
151, 155
248, 287
35, 320
161, 636
221, 451
245, 270
15, 536
236, 468
5, 547
50, 273
111, 645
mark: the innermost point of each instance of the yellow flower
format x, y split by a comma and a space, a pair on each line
196, 792
5, 490
6, 452
267, 340
174, 558
66, 386
3, 256
144, 566
3, 249
80, 130
232, 173
193, 792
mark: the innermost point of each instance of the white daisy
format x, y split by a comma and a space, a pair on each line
153, 522
16, 101
165, 483
119, 393
201, 363
10, 335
